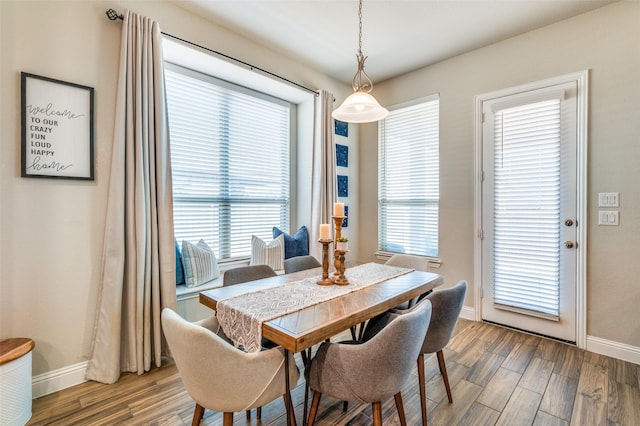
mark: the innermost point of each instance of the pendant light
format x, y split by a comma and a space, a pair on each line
360, 106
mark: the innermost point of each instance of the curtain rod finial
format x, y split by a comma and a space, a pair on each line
113, 15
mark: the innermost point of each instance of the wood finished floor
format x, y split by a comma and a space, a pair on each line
498, 377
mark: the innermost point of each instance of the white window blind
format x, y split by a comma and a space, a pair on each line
408, 179
527, 207
230, 162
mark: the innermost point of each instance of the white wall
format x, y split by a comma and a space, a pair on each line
51, 230
605, 41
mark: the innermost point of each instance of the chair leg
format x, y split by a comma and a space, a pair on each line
353, 332
376, 408
443, 371
197, 415
248, 414
259, 413
227, 419
400, 408
422, 387
314, 407
345, 406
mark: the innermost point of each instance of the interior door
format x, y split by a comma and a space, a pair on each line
529, 207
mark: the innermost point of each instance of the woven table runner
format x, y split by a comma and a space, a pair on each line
241, 317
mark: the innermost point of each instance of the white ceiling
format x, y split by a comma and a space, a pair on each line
397, 35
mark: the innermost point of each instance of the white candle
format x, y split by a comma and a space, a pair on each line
325, 231
338, 209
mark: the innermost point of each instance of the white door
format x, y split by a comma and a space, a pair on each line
529, 210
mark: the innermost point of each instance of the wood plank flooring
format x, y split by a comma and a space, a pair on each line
498, 377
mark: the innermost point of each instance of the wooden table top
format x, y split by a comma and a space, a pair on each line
300, 330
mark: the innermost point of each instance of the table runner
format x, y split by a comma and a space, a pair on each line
241, 317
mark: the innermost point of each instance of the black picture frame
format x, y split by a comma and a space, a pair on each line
343, 186
342, 155
341, 128
57, 128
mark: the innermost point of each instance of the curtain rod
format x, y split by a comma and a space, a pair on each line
113, 15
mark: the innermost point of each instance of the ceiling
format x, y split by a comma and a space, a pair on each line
398, 36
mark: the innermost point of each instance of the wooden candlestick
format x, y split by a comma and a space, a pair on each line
336, 261
339, 278
325, 262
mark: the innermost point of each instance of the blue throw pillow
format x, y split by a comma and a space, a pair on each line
179, 270
296, 244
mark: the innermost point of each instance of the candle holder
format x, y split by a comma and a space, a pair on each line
325, 262
339, 278
336, 261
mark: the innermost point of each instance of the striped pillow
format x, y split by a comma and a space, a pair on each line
271, 254
200, 264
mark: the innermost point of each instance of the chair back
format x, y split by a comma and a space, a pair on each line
300, 263
447, 305
244, 274
217, 375
418, 263
377, 369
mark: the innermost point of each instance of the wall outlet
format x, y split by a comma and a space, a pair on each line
608, 217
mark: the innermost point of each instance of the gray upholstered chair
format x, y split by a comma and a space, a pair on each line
447, 305
300, 263
372, 371
217, 375
244, 274
418, 263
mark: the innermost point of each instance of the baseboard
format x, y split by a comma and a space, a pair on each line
613, 349
56, 380
468, 313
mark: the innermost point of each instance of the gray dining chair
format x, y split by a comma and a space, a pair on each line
300, 263
372, 371
220, 377
447, 305
245, 274
419, 263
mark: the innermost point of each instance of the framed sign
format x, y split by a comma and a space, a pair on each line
57, 128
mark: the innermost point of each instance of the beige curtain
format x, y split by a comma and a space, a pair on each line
323, 181
138, 269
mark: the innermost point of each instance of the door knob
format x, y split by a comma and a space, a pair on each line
568, 244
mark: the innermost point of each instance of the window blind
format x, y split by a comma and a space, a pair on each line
230, 162
527, 208
408, 179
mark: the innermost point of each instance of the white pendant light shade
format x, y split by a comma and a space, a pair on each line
360, 107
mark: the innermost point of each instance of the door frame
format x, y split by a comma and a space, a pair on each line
581, 78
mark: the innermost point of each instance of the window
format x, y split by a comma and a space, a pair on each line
230, 161
408, 179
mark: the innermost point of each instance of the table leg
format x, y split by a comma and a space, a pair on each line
291, 415
306, 389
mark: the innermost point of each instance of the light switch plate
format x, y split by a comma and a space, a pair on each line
608, 218
608, 199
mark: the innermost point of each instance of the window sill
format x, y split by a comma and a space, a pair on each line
183, 292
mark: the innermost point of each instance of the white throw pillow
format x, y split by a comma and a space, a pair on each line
200, 263
271, 253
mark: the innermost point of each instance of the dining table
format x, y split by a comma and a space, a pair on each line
301, 329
